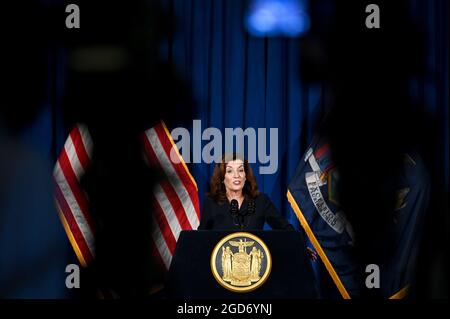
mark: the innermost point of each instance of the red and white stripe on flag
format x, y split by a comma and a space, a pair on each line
71, 200
175, 198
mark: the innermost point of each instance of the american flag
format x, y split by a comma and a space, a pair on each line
175, 198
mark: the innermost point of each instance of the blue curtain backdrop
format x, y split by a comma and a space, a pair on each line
242, 81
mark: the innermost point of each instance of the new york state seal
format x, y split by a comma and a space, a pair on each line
241, 262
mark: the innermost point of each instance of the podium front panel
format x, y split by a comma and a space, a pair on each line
190, 275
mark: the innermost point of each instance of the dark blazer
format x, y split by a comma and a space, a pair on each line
218, 216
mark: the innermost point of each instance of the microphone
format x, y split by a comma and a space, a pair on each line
251, 207
239, 215
248, 211
234, 210
234, 206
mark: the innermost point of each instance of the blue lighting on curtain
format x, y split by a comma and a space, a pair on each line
277, 18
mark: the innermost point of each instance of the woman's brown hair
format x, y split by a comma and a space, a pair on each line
218, 191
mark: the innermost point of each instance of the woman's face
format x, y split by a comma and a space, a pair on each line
234, 178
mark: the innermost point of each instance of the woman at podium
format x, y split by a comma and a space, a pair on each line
234, 202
